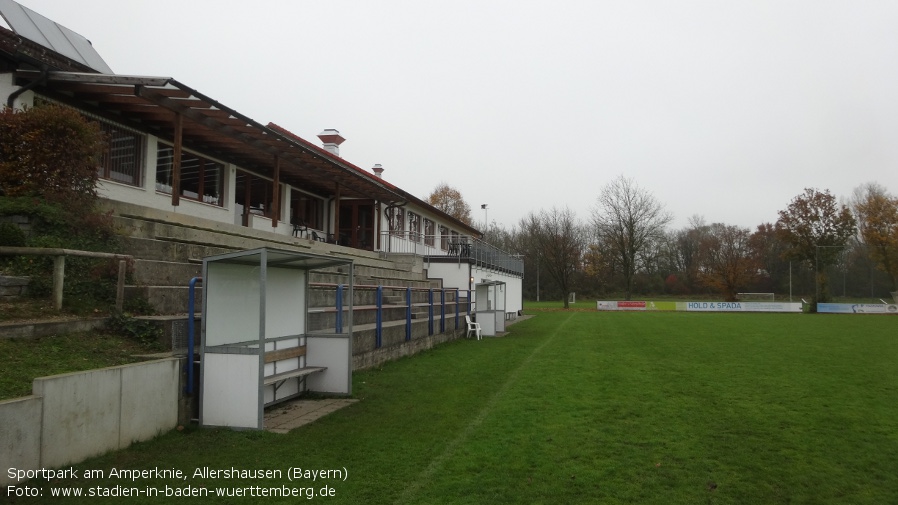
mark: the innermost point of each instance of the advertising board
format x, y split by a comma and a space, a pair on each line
857, 308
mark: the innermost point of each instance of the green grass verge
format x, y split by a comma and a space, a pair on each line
25, 359
588, 407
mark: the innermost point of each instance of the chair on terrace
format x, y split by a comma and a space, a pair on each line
472, 327
300, 228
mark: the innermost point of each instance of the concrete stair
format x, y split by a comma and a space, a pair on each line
168, 250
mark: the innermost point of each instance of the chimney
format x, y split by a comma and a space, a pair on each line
331, 139
378, 170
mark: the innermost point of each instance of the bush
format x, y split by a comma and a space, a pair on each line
51, 152
90, 283
11, 235
146, 332
48, 171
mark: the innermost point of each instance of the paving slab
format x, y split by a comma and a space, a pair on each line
296, 413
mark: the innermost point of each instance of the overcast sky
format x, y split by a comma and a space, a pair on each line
723, 109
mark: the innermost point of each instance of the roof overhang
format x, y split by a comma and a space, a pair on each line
153, 105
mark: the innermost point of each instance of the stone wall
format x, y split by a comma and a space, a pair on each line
13, 287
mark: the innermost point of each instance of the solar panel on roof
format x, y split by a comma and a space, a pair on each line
50, 34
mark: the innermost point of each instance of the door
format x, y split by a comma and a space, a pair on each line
357, 224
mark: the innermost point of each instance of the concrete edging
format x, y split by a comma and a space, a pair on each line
46, 328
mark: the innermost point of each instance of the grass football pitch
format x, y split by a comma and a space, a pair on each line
580, 407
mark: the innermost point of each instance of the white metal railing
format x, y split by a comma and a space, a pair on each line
463, 247
406, 243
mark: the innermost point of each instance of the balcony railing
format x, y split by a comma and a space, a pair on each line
464, 248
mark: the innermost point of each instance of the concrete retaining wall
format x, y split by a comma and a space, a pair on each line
75, 416
377, 357
20, 436
43, 329
13, 287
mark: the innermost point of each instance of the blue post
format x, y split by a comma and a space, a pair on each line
379, 318
408, 314
430, 312
442, 311
339, 308
457, 308
191, 310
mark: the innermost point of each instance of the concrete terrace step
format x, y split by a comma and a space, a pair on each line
165, 242
163, 250
165, 273
169, 247
166, 299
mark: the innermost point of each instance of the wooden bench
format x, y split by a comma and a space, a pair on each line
281, 354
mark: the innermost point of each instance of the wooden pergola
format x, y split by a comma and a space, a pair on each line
168, 109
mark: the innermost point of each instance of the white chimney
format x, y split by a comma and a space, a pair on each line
331, 139
378, 170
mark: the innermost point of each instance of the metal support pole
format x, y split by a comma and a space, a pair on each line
191, 339
408, 314
442, 310
430, 312
378, 326
457, 308
339, 324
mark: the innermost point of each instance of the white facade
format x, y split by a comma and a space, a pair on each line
464, 275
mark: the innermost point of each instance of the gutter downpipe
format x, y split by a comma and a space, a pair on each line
11, 100
188, 388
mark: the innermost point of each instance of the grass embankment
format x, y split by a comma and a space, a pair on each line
26, 359
587, 407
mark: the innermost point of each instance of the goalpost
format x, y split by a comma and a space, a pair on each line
749, 297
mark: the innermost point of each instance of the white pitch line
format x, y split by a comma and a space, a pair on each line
449, 451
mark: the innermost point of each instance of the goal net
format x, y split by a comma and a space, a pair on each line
756, 297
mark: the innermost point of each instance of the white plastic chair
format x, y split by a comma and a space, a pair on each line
472, 326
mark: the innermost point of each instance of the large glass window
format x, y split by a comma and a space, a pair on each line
122, 161
201, 179
306, 210
396, 216
414, 227
429, 232
123, 156
253, 195
444, 238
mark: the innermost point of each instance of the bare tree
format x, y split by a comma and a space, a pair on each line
628, 219
449, 200
688, 243
877, 215
560, 244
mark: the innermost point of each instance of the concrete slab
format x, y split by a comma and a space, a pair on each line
149, 400
81, 415
20, 435
296, 413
